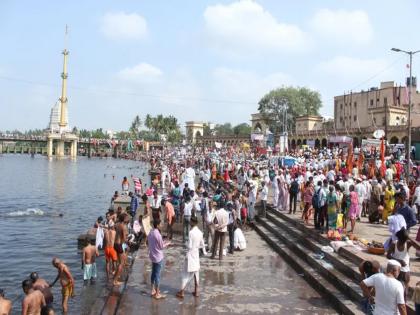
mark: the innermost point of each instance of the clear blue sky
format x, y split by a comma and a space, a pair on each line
197, 60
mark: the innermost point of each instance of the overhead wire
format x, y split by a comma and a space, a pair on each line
162, 96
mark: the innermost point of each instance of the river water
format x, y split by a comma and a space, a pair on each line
33, 192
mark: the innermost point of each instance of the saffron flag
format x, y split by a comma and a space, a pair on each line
349, 162
360, 161
382, 157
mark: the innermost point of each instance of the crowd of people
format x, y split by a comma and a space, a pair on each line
212, 194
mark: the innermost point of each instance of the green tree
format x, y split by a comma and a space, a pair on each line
242, 130
148, 121
123, 135
99, 134
299, 101
223, 129
159, 126
135, 127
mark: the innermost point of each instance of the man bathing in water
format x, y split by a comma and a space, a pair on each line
110, 253
34, 300
119, 245
5, 304
43, 286
90, 252
66, 281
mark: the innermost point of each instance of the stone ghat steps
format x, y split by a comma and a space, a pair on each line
305, 242
340, 301
337, 270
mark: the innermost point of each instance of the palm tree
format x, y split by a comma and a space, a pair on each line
135, 126
148, 121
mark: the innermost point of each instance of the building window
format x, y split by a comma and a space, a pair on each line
383, 121
385, 101
371, 102
341, 106
355, 104
354, 117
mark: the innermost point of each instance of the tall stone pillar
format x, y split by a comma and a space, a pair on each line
73, 149
60, 148
50, 148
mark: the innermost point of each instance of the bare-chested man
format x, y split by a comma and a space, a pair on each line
33, 301
43, 286
5, 304
66, 281
110, 253
121, 234
90, 252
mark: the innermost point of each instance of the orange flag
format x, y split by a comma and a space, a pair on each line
349, 162
383, 168
360, 161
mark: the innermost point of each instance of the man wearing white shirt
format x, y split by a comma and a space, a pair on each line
188, 208
252, 199
389, 292
189, 178
389, 174
264, 197
221, 222
331, 175
416, 198
192, 262
276, 190
361, 193
368, 188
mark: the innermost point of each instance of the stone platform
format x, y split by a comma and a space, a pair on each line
255, 281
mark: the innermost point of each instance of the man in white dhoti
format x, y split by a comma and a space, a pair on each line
189, 178
192, 261
165, 177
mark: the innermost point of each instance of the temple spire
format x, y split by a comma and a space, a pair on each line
63, 99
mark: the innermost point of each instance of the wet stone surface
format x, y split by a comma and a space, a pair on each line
255, 281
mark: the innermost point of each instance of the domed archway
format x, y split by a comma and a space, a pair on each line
394, 140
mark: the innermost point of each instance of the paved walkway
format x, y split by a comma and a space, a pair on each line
255, 281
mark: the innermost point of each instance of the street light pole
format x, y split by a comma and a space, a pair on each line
408, 148
409, 119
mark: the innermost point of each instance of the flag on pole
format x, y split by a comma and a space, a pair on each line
360, 161
349, 161
382, 157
